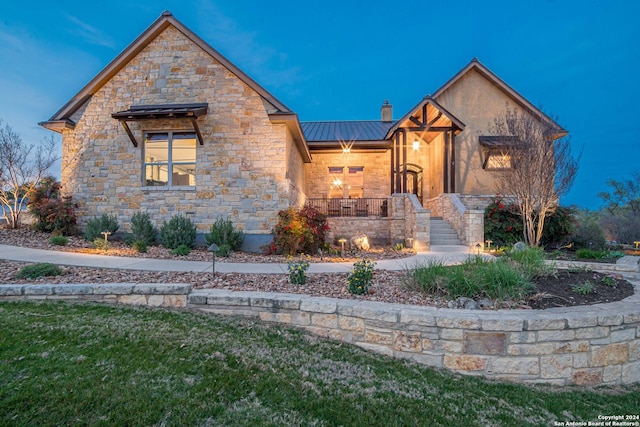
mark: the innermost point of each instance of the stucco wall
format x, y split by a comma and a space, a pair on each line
240, 169
476, 102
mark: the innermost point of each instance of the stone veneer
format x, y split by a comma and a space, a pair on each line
588, 345
149, 294
247, 169
468, 223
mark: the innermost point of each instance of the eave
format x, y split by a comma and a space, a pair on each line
293, 124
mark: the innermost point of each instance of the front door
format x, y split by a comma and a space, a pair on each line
414, 180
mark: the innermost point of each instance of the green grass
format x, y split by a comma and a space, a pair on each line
85, 364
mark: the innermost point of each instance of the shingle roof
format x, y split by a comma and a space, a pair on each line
367, 130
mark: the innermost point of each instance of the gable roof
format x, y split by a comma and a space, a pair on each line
61, 118
502, 85
427, 100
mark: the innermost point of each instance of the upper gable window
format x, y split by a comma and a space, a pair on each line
169, 159
497, 160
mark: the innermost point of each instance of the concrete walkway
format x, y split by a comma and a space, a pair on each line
444, 254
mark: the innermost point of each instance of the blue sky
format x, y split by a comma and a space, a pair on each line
340, 59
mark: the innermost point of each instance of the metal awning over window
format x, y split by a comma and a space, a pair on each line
497, 141
164, 111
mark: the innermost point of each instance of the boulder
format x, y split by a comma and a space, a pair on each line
360, 241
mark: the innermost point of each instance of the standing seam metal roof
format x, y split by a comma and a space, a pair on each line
365, 130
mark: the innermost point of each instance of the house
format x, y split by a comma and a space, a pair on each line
171, 126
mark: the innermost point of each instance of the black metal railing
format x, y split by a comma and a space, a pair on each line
351, 207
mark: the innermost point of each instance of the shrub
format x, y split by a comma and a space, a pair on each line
583, 289
52, 212
224, 250
299, 231
598, 254
361, 277
58, 240
223, 233
588, 233
139, 246
181, 250
101, 244
530, 262
297, 271
178, 231
39, 270
559, 227
95, 226
143, 230
502, 223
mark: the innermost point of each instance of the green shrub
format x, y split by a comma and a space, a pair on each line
96, 226
223, 233
361, 277
589, 232
178, 231
181, 250
143, 230
101, 244
52, 212
224, 250
298, 271
58, 240
299, 231
502, 223
39, 270
598, 254
139, 246
559, 227
584, 289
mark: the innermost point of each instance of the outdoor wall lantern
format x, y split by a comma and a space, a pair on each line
416, 145
478, 248
213, 248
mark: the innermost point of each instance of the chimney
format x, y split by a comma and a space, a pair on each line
386, 111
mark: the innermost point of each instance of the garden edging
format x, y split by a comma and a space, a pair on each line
585, 345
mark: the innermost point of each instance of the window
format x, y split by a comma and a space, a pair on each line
169, 159
346, 182
498, 160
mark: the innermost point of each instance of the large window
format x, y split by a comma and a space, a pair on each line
169, 159
346, 182
497, 160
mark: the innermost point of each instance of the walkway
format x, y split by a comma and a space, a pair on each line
444, 254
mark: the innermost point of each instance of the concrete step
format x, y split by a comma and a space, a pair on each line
442, 233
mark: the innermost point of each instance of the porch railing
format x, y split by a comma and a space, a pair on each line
351, 207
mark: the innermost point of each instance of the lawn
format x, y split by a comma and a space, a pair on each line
86, 364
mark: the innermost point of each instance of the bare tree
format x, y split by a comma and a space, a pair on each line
543, 168
21, 168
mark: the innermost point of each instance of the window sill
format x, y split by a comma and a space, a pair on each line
167, 188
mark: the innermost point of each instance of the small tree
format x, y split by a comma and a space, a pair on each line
21, 169
543, 168
621, 215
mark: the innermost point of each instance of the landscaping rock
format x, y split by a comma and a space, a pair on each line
360, 241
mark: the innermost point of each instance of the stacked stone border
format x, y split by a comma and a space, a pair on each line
148, 294
586, 345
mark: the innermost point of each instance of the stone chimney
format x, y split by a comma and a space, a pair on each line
386, 111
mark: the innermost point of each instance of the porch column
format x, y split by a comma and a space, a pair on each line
397, 188
453, 161
404, 161
392, 166
445, 164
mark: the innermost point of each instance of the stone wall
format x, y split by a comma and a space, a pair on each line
376, 172
588, 345
468, 223
240, 169
376, 228
148, 294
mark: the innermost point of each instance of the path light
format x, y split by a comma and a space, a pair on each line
342, 242
105, 233
410, 242
478, 247
213, 248
489, 242
637, 244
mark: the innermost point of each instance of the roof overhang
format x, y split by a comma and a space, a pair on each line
498, 141
356, 145
163, 111
293, 125
58, 125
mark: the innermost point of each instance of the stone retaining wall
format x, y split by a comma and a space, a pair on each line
149, 294
587, 345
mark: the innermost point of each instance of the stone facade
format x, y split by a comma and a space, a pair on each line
579, 345
468, 223
247, 169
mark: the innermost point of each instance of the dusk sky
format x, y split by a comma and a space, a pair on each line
339, 60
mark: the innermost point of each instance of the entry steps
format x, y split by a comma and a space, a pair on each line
442, 233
